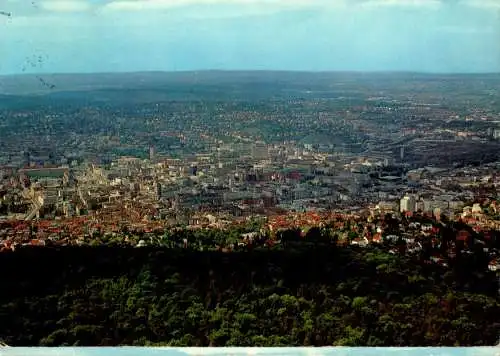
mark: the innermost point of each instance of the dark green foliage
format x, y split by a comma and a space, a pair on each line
315, 296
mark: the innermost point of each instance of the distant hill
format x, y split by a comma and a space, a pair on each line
38, 84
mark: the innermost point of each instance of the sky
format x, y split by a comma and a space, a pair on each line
75, 36
265, 351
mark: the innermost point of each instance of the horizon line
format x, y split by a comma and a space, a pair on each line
249, 71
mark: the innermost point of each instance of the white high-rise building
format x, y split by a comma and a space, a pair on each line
407, 203
152, 153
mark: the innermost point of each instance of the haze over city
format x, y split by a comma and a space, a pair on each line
314, 35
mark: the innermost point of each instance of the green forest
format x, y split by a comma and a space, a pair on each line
302, 296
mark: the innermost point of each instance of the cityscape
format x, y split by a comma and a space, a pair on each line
387, 172
92, 166
249, 177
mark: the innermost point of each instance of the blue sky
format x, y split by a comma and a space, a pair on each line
44, 36
265, 351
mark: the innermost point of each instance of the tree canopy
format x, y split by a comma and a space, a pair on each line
298, 296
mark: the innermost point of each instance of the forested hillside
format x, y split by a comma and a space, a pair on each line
311, 296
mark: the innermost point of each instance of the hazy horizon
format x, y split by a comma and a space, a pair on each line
123, 36
291, 71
